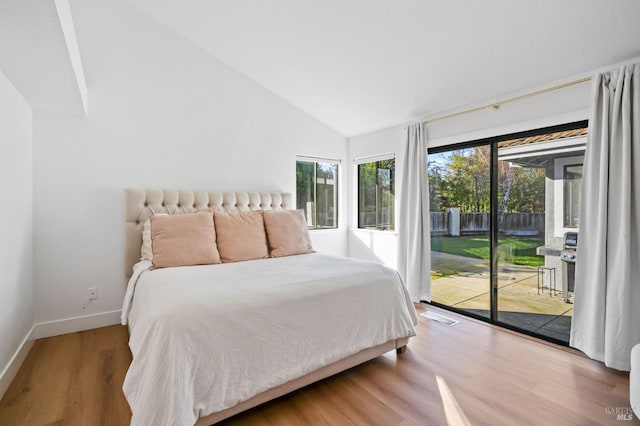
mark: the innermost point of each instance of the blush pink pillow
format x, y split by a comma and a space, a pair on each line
241, 236
183, 239
287, 232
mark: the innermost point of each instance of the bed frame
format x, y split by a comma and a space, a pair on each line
140, 204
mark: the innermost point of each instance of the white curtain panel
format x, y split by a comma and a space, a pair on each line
414, 239
606, 318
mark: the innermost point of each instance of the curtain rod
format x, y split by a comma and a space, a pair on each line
497, 105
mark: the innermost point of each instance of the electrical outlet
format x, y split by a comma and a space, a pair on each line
93, 293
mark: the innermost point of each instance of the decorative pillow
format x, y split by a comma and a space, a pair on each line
183, 239
240, 236
287, 232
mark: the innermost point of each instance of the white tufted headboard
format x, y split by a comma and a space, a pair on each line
140, 204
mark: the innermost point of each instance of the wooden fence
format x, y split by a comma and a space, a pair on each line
523, 224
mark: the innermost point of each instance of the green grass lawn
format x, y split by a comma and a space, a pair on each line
516, 250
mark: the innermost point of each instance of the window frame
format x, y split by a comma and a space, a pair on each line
367, 160
493, 293
569, 186
315, 161
558, 191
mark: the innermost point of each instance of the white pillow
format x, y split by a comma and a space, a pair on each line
146, 251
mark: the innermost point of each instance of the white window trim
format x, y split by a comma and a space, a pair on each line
558, 193
374, 158
311, 159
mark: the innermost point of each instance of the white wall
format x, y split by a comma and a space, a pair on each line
16, 229
163, 114
564, 106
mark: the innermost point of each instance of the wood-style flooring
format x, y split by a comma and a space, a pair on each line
471, 373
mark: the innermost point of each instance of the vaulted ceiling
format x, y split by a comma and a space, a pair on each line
361, 65
39, 54
355, 65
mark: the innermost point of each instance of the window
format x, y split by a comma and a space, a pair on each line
572, 181
376, 182
317, 192
566, 193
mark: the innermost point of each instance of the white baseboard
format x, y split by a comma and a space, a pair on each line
48, 329
11, 369
71, 325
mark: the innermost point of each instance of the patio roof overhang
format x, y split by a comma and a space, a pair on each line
538, 154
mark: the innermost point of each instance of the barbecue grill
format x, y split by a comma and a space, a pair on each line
568, 256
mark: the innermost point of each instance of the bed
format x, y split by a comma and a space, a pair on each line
211, 341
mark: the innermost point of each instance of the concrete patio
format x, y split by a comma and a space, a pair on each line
463, 283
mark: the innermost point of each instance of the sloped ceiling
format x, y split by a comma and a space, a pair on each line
360, 65
39, 54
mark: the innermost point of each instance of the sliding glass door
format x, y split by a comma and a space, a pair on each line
538, 180
459, 187
499, 209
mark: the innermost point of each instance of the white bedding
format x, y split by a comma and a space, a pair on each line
205, 338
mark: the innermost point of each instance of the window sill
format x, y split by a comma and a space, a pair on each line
326, 230
375, 231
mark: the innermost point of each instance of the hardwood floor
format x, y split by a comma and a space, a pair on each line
471, 373
74, 379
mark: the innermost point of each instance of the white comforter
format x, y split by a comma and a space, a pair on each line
205, 338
